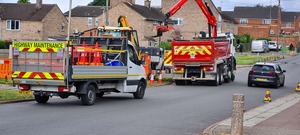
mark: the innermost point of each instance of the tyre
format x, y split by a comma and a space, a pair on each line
90, 96
216, 81
282, 85
140, 91
232, 76
180, 82
228, 77
221, 79
41, 99
100, 94
249, 84
277, 84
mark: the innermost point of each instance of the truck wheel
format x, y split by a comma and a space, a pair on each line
89, 97
180, 82
221, 79
100, 94
140, 91
41, 99
232, 76
216, 81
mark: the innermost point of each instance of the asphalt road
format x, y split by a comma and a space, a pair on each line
166, 110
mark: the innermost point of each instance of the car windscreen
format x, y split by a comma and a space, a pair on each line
263, 68
257, 43
272, 43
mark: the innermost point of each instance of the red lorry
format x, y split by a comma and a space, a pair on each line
204, 58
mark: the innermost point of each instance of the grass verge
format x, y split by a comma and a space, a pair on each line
11, 95
250, 59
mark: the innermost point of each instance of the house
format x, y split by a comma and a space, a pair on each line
142, 18
31, 21
85, 17
191, 20
262, 22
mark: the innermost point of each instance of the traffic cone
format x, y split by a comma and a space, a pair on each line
267, 97
152, 78
160, 77
298, 87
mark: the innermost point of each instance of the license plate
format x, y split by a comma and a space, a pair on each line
25, 92
261, 79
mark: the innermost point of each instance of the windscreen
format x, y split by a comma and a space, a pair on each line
263, 68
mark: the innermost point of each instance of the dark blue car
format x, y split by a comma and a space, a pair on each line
266, 74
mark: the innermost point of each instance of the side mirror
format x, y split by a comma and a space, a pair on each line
140, 62
283, 71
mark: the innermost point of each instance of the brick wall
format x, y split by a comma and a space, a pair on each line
52, 24
29, 30
254, 31
194, 20
37, 30
81, 23
144, 28
115, 2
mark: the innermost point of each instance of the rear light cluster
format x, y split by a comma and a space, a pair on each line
178, 68
252, 71
208, 68
24, 87
272, 73
62, 89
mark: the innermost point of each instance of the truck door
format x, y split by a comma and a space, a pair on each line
135, 70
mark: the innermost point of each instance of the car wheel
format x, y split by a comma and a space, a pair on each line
140, 91
249, 84
277, 84
282, 85
41, 99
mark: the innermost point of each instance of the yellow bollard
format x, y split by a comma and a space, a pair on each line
298, 87
267, 97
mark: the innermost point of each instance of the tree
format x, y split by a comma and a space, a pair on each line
24, 1
98, 3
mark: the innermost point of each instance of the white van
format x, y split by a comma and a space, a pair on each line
259, 46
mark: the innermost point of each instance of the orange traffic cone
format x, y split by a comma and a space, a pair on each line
267, 97
160, 77
298, 87
152, 78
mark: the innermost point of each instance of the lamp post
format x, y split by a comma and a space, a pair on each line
68, 41
106, 8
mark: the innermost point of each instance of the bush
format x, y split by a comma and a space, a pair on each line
165, 45
2, 44
268, 39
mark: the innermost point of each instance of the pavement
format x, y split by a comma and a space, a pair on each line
279, 117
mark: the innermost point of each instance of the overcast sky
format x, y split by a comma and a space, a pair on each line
227, 5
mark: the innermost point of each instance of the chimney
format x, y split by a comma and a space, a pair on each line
219, 8
38, 4
147, 3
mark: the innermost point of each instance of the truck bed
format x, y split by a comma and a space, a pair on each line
204, 51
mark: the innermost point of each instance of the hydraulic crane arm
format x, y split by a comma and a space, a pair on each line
204, 8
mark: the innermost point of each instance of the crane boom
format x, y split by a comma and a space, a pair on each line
204, 8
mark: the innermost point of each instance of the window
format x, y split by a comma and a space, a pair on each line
178, 21
62, 27
132, 55
266, 21
288, 24
12, 24
244, 21
96, 22
90, 21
